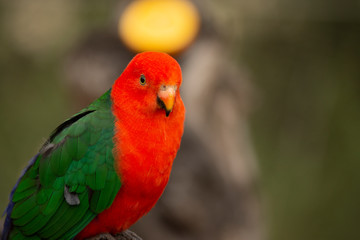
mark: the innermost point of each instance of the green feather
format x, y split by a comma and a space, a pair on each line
73, 216
16, 235
25, 185
71, 146
86, 219
48, 230
22, 195
46, 175
82, 149
78, 154
65, 160
85, 138
22, 208
30, 215
55, 199
35, 225
91, 181
100, 176
78, 129
54, 161
80, 188
43, 196
106, 195
94, 137
59, 183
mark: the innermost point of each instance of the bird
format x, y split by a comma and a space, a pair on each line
106, 166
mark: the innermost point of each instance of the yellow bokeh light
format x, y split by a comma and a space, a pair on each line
159, 25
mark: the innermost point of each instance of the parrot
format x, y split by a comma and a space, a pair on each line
106, 166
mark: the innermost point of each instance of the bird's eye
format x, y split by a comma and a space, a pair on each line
142, 79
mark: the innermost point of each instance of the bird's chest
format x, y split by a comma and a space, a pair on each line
142, 185
145, 176
143, 160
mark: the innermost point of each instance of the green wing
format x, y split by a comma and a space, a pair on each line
72, 179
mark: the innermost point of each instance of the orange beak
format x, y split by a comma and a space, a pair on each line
166, 98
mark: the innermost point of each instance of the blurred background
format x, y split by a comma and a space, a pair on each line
272, 90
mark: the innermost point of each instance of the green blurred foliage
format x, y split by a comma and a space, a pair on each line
303, 57
306, 125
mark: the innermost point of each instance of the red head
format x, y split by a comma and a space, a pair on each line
149, 86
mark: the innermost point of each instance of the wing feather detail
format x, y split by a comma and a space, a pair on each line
68, 183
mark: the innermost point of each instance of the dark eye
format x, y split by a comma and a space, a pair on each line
142, 79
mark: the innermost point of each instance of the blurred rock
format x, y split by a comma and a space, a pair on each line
125, 235
93, 66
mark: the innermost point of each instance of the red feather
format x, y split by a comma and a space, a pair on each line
146, 140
